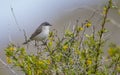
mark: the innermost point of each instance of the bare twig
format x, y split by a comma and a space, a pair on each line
25, 35
15, 18
101, 34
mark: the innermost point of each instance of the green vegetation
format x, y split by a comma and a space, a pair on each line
76, 53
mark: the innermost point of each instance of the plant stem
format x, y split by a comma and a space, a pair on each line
101, 34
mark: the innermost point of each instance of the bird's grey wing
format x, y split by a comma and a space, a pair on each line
38, 31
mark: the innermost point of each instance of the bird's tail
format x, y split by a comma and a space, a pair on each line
26, 41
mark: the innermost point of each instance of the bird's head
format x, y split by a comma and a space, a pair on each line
46, 24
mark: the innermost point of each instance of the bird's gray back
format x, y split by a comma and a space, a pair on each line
37, 31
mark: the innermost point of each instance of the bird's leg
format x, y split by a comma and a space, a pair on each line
37, 46
44, 42
35, 43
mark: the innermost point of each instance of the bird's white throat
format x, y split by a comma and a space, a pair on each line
45, 29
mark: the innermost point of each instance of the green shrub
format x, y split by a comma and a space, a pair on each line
76, 53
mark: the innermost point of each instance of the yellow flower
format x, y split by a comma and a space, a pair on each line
50, 43
9, 61
11, 48
88, 24
80, 28
40, 62
89, 62
65, 47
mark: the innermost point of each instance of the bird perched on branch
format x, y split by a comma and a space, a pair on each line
41, 33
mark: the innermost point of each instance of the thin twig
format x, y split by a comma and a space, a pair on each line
25, 35
101, 35
15, 18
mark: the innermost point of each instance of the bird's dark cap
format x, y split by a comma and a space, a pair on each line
46, 24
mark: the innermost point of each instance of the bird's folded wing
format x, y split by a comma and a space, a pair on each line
38, 31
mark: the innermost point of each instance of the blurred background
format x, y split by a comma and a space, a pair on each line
19, 15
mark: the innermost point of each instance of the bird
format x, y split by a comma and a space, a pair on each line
41, 33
